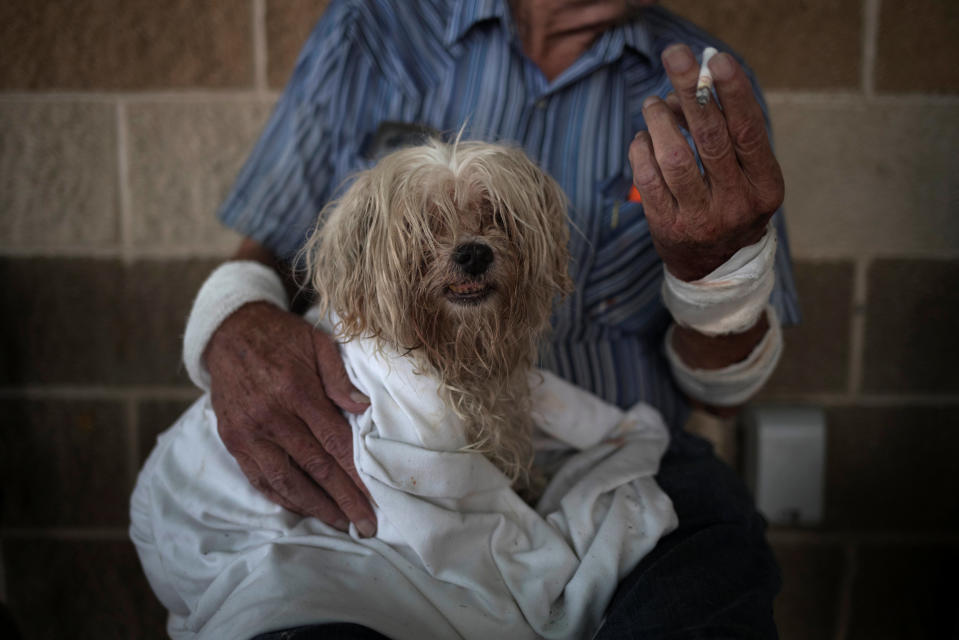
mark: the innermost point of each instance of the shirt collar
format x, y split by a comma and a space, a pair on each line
636, 35
468, 13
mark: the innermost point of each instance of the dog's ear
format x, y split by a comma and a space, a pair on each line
337, 261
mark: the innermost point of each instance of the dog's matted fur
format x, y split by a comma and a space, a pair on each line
453, 253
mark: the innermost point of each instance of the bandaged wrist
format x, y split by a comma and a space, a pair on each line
735, 384
228, 288
730, 299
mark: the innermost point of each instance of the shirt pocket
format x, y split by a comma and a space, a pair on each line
622, 289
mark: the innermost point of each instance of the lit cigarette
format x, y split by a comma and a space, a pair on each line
705, 84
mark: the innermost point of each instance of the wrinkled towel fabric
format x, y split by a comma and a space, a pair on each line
457, 553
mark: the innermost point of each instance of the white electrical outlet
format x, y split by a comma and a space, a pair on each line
785, 456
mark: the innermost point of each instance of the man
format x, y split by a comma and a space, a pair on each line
572, 82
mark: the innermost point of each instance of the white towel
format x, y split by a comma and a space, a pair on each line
457, 553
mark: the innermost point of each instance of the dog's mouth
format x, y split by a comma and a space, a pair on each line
469, 292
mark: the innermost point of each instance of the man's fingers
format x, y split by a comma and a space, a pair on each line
706, 123
331, 430
675, 158
335, 381
657, 198
277, 477
672, 101
317, 438
336, 482
747, 130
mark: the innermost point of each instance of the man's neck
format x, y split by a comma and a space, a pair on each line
555, 33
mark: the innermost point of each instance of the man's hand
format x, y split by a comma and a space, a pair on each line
698, 221
276, 385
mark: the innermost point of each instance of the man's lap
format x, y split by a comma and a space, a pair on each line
713, 577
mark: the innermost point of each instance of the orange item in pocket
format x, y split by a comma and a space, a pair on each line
634, 195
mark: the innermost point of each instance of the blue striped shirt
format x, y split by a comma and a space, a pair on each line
446, 64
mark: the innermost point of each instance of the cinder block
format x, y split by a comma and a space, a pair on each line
814, 44
63, 463
158, 295
816, 352
154, 417
905, 591
65, 328
918, 48
58, 174
89, 321
125, 44
288, 23
183, 160
869, 179
807, 606
96, 588
912, 315
892, 468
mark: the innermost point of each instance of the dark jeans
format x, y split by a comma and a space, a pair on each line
714, 577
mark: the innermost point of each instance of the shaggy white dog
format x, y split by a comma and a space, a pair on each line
453, 255
437, 272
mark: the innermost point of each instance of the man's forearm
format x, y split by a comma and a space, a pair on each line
700, 351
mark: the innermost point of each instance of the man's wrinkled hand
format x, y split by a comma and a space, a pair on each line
276, 385
699, 220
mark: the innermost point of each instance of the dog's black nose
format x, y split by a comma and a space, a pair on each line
473, 257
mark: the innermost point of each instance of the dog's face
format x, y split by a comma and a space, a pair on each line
473, 264
438, 244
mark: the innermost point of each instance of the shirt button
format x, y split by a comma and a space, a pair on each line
541, 103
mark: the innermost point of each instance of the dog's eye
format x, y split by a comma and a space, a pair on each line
491, 218
487, 218
502, 222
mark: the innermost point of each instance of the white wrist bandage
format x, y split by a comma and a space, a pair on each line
228, 288
735, 384
730, 299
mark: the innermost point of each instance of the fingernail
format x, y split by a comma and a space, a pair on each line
721, 66
342, 525
648, 102
366, 528
356, 396
678, 58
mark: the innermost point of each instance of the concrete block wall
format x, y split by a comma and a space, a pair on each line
123, 122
